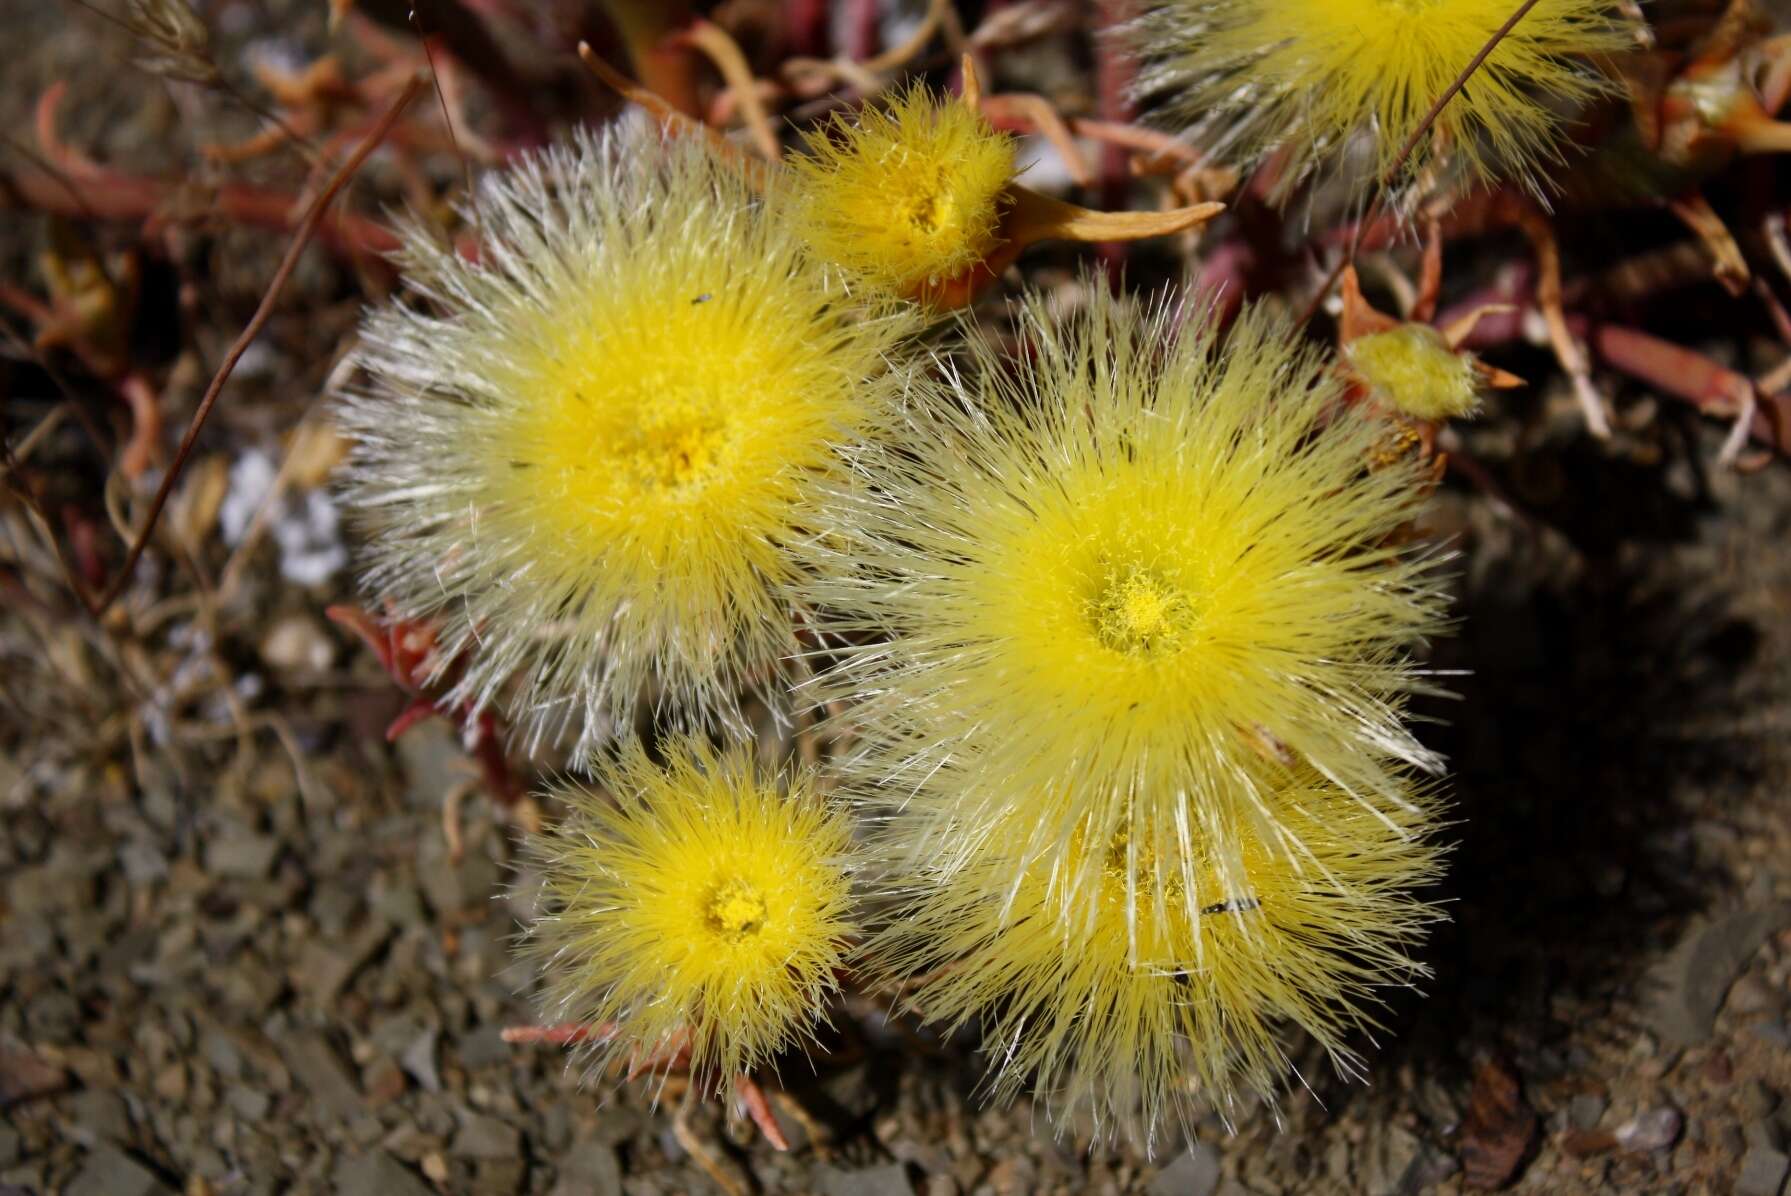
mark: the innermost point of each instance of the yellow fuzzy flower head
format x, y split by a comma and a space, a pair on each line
705, 907
1311, 76
586, 453
1108, 585
1413, 369
904, 197
1133, 1004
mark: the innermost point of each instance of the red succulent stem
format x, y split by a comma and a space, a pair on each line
1113, 79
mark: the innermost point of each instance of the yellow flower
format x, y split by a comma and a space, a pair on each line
1311, 76
907, 197
1412, 368
1135, 1005
707, 908
586, 453
1108, 579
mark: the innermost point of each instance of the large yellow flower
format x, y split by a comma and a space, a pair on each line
1103, 587
1313, 76
587, 451
703, 907
1132, 1004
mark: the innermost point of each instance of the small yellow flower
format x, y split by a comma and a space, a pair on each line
1416, 374
1111, 577
1413, 369
904, 197
1134, 1005
586, 457
1311, 76
707, 907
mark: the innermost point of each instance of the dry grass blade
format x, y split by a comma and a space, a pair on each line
917, 41
1035, 217
669, 118
177, 44
730, 60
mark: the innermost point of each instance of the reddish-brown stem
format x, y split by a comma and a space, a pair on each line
415, 712
759, 1109
114, 196
1690, 376
146, 424
670, 119
494, 765
1026, 113
561, 1033
371, 633
1453, 90
1134, 137
1113, 78
26, 304
65, 159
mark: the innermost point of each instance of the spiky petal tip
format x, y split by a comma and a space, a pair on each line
1130, 1009
1316, 77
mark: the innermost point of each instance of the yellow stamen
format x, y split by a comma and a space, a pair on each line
736, 909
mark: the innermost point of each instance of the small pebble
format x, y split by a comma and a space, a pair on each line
1763, 1172
483, 1137
1654, 1129
297, 643
1750, 995
377, 1174
241, 855
890, 1179
1195, 1173
484, 1047
109, 1172
589, 1169
1586, 1110
1774, 1033
1763, 1133
1755, 1100
419, 1060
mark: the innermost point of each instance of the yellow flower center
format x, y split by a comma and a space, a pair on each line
674, 453
1139, 613
736, 910
929, 211
1117, 865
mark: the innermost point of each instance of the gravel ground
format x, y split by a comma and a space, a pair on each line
230, 967
246, 946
